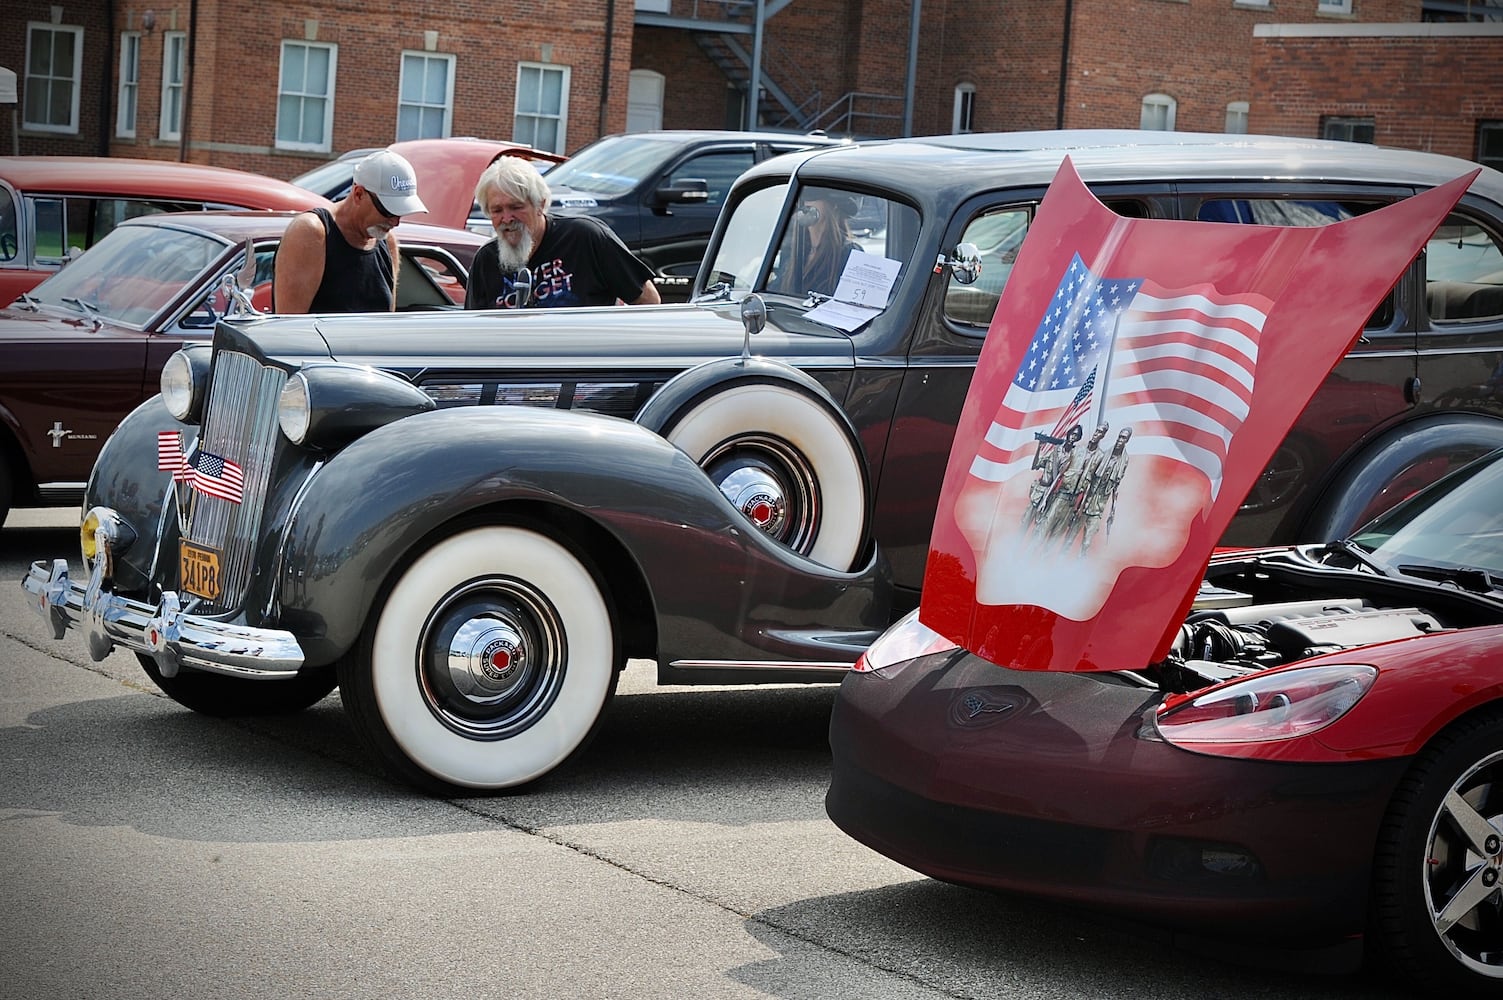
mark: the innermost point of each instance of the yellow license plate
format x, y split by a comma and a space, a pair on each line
200, 571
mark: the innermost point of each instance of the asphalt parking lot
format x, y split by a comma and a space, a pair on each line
149, 852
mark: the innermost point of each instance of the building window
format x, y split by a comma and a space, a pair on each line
1490, 144
305, 96
1236, 118
1158, 113
1347, 129
130, 84
542, 106
174, 50
425, 102
963, 119
54, 65
1333, 6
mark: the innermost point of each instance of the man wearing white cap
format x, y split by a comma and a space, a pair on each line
344, 259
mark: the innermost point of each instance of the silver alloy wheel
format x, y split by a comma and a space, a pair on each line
771, 484
492, 658
1463, 865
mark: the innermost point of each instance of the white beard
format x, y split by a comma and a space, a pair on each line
513, 257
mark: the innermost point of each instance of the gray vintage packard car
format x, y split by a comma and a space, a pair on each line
470, 521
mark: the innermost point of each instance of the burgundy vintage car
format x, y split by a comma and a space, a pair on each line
53, 208
86, 346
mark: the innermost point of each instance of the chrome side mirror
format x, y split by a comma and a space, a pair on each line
965, 265
753, 320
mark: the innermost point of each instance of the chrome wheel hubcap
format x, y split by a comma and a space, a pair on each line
492, 658
772, 485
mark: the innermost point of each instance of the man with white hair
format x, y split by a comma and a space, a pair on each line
572, 261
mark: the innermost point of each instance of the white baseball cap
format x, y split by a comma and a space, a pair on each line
390, 178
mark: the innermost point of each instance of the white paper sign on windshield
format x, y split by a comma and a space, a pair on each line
861, 293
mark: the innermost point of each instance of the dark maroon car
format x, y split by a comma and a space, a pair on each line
86, 346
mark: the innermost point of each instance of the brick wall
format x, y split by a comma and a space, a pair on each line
1421, 90
231, 120
96, 96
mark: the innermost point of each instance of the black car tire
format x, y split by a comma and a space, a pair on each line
5, 489
1439, 847
805, 447
231, 697
488, 664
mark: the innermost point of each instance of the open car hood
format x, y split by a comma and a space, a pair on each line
449, 169
1136, 378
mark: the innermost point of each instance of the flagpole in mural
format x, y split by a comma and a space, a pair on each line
1196, 343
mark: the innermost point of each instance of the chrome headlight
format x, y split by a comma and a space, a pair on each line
293, 410
327, 406
183, 380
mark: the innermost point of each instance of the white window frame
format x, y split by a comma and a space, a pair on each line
963, 111
75, 80
128, 96
425, 101
1157, 113
325, 143
174, 70
1333, 6
1236, 118
525, 121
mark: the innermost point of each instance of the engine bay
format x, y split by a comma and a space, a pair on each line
1271, 609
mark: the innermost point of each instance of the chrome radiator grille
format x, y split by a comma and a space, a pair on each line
240, 425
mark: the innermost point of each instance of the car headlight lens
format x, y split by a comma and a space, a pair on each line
906, 639
102, 534
1279, 705
294, 411
177, 386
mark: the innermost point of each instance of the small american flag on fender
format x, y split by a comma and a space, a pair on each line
170, 456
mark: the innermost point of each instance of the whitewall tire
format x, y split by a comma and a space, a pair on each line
787, 462
488, 664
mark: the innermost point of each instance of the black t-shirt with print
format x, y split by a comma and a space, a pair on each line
580, 262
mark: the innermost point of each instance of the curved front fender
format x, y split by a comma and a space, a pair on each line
385, 498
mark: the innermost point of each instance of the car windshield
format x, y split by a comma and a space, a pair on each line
131, 274
1457, 524
612, 166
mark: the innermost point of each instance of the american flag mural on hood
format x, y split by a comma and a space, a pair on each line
1136, 378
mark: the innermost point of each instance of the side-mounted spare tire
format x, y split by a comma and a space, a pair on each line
786, 458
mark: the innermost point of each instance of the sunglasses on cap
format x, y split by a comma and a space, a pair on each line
376, 204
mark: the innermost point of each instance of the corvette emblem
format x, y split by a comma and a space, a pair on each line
983, 708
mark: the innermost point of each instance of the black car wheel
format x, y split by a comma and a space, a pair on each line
786, 462
1437, 897
7, 246
231, 697
488, 664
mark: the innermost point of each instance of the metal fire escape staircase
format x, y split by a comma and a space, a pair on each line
725, 30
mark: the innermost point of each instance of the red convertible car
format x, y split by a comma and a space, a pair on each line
1299, 746
53, 208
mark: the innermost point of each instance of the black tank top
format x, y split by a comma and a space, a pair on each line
354, 280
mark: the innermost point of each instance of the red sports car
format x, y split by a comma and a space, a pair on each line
1300, 745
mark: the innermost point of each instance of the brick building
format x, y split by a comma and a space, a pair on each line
278, 86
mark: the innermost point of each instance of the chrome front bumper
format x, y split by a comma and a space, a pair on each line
163, 632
